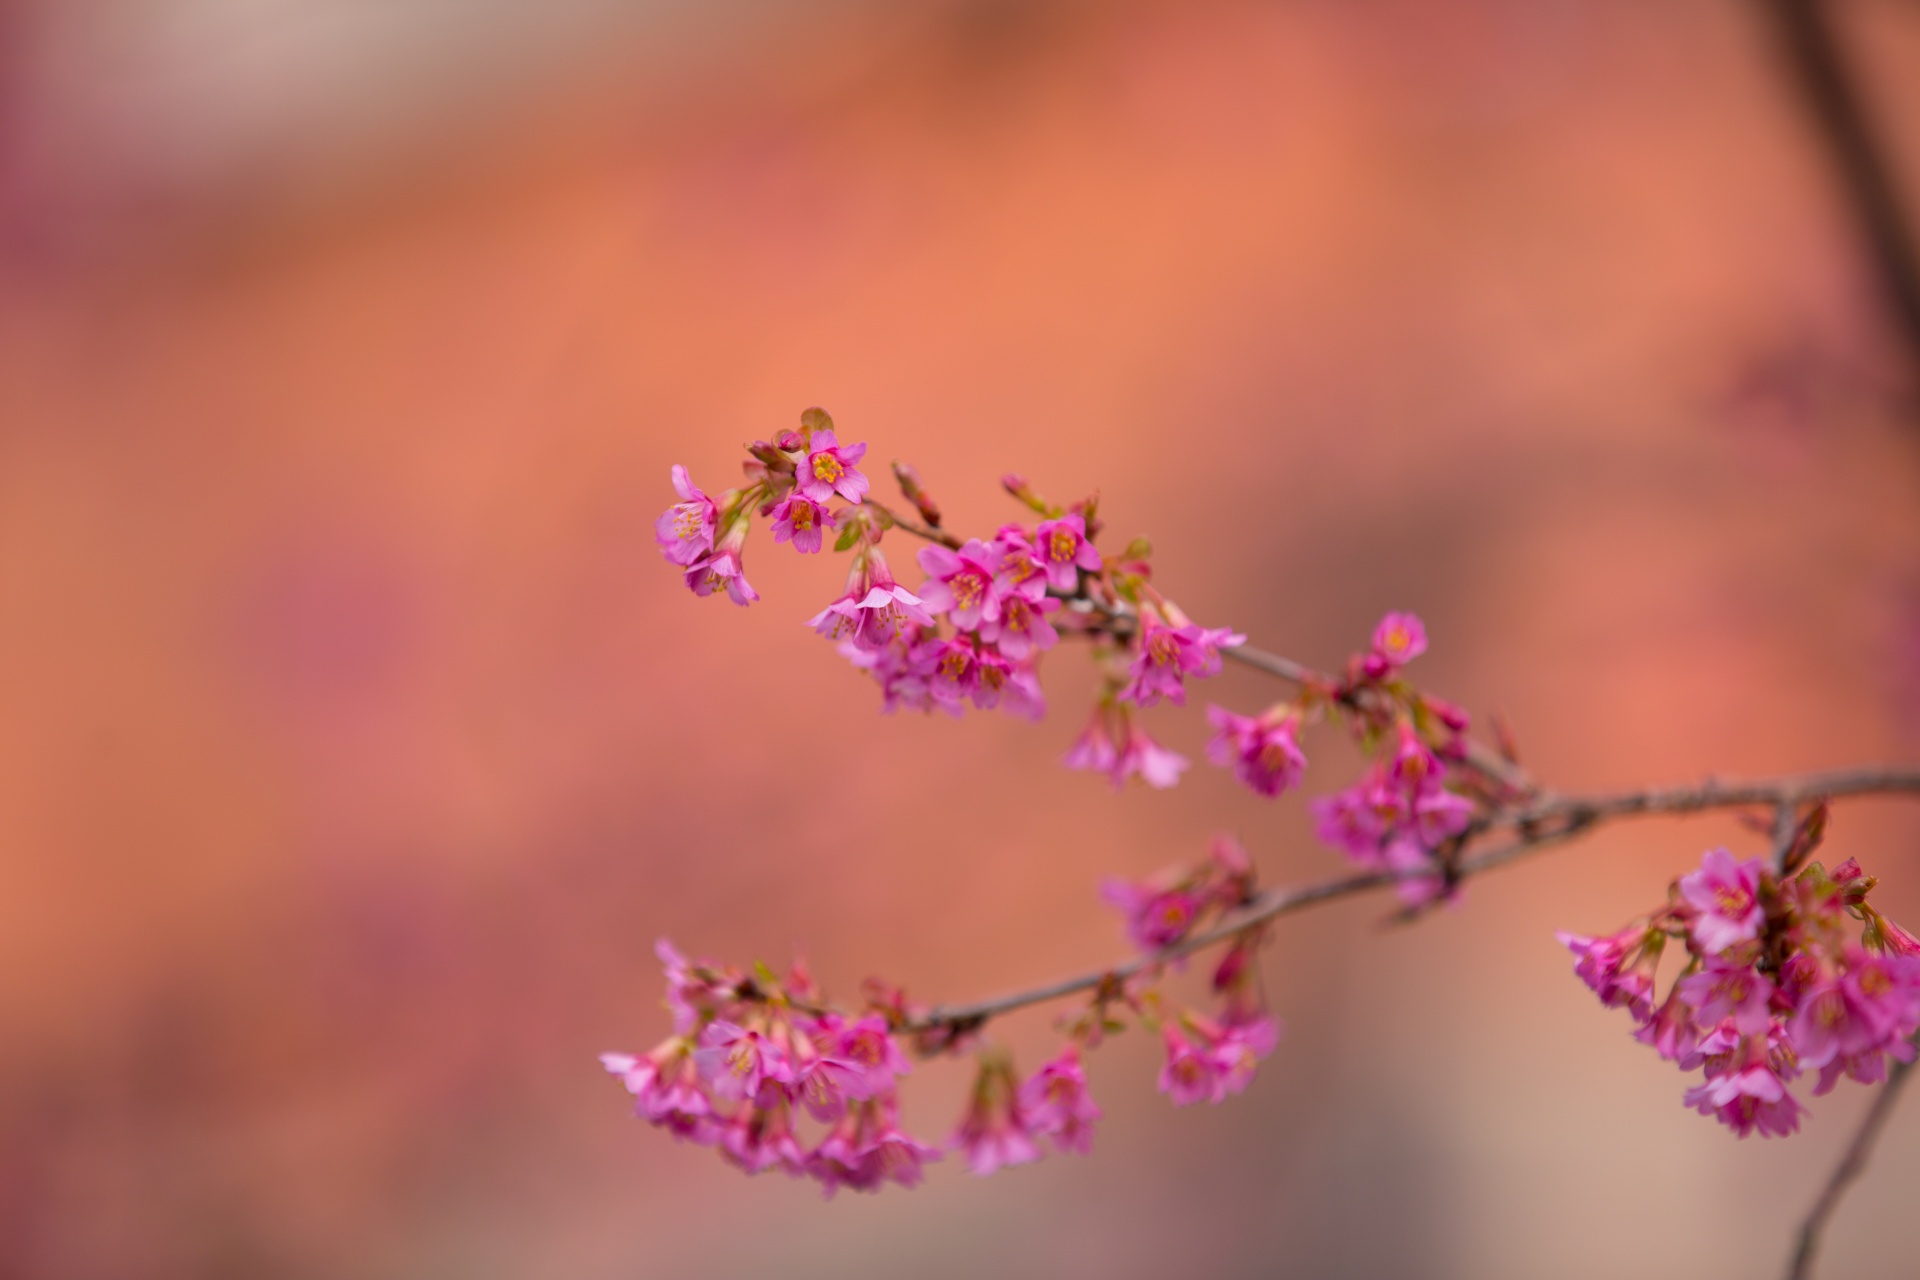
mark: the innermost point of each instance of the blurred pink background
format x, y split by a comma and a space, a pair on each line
355, 744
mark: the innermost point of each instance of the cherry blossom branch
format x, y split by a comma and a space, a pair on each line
1851, 1166
1541, 824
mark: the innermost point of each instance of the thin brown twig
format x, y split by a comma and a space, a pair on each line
1851, 1166
1540, 825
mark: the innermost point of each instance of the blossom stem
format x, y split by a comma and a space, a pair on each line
1851, 1166
1540, 824
905, 525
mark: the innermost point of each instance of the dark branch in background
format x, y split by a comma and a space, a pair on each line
1811, 46
1851, 1165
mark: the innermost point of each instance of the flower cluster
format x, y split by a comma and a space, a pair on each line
1413, 798
1784, 975
750, 1054
972, 632
755, 1060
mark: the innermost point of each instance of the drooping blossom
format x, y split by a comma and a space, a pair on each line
875, 610
828, 469
1238, 1049
994, 1132
723, 571
1094, 750
1167, 655
802, 521
1056, 1104
1619, 967
1745, 1088
867, 1149
685, 530
761, 1137
1263, 751
1062, 549
1191, 1073
1727, 896
1724, 990
1146, 759
1115, 745
960, 584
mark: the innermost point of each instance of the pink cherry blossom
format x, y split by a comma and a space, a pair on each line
1167, 655
1156, 917
1191, 1073
762, 1138
1062, 549
1143, 757
1021, 572
1012, 686
1618, 967
828, 469
1747, 1092
667, 1090
1238, 1049
1727, 896
1672, 1033
953, 670
1094, 749
1398, 640
960, 584
802, 521
994, 1133
1057, 1105
1022, 627
685, 530
1263, 751
892, 1156
870, 1045
1737, 991
735, 1061
875, 611
722, 570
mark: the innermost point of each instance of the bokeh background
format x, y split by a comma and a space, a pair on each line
355, 745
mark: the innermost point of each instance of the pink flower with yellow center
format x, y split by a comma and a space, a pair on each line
1021, 570
802, 521
828, 469
1156, 916
1022, 628
685, 530
1398, 640
1062, 549
1726, 894
1167, 655
735, 1061
961, 583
